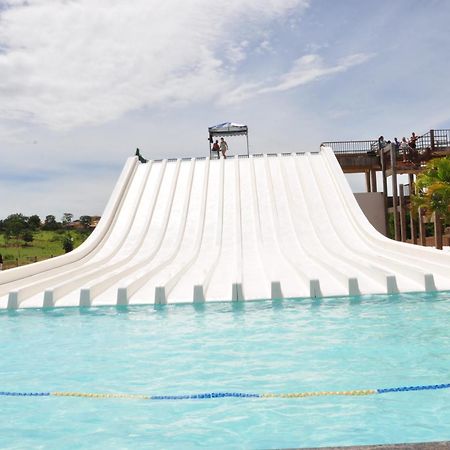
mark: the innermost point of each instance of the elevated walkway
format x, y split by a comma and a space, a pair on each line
245, 228
367, 157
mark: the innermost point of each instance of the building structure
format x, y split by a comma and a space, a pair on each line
368, 157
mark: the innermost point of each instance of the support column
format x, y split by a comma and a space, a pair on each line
367, 181
432, 146
383, 173
402, 214
437, 230
412, 214
394, 191
373, 180
422, 231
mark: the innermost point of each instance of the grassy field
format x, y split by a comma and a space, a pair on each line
46, 244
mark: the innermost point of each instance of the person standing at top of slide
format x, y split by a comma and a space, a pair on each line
223, 147
216, 148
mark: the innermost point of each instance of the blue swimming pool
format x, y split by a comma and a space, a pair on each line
260, 347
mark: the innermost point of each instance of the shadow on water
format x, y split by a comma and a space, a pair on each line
236, 307
199, 307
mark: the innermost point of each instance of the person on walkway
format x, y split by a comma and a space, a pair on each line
216, 148
223, 147
1, 262
405, 149
412, 140
381, 143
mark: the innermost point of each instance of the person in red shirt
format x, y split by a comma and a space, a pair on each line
216, 148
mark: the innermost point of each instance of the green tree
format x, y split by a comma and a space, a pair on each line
85, 221
34, 222
50, 223
67, 243
14, 225
433, 186
66, 218
27, 236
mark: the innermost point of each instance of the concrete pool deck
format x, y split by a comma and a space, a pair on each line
442, 445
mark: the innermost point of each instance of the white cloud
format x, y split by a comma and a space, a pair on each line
305, 69
265, 47
69, 63
237, 53
311, 67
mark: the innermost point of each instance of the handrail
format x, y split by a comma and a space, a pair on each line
433, 139
351, 147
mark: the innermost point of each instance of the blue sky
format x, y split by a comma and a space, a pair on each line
85, 82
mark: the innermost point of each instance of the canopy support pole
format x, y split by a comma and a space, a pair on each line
210, 141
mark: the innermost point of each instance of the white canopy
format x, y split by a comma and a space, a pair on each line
228, 129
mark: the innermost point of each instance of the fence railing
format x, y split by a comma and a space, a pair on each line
434, 139
351, 147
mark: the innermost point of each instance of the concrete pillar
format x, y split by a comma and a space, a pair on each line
373, 180
412, 214
402, 214
422, 231
437, 231
367, 181
384, 178
394, 191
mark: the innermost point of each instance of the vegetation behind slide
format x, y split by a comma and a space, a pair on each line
27, 239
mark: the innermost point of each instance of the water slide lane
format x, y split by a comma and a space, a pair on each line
395, 274
223, 272
253, 280
13, 280
312, 228
287, 280
360, 278
193, 282
186, 256
324, 278
433, 263
28, 272
156, 234
126, 244
57, 284
151, 281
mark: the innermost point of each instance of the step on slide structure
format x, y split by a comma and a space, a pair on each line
266, 226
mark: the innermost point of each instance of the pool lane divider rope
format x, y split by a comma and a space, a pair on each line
208, 395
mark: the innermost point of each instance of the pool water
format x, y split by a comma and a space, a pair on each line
289, 346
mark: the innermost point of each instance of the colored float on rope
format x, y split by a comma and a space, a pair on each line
210, 395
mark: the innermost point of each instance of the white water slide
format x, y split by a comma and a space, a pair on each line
244, 228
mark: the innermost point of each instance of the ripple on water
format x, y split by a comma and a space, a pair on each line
292, 345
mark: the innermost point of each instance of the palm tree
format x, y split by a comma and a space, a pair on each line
433, 194
433, 188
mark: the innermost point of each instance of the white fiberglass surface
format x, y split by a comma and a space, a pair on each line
197, 230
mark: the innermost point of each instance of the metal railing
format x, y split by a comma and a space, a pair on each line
434, 139
230, 157
352, 147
